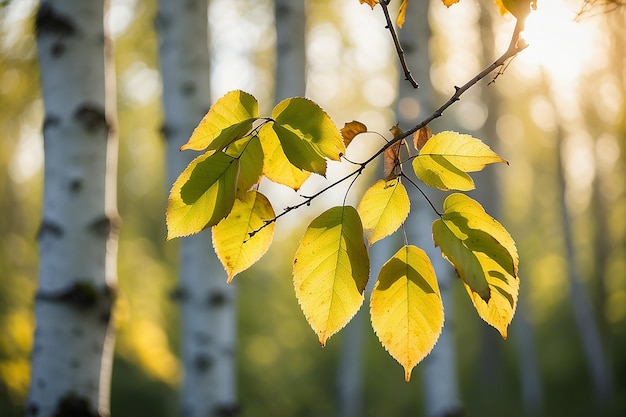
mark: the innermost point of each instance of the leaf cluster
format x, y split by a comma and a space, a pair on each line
220, 190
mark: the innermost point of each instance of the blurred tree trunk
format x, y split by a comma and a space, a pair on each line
491, 375
583, 313
72, 352
290, 48
207, 303
439, 369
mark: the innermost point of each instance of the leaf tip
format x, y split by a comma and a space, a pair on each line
407, 374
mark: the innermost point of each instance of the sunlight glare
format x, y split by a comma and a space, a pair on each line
562, 47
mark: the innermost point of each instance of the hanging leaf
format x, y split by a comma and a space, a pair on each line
234, 246
518, 8
276, 166
307, 134
350, 130
402, 13
250, 155
383, 208
202, 195
500, 309
422, 136
484, 256
330, 270
230, 118
406, 307
447, 157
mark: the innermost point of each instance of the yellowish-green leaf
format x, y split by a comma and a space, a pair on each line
276, 166
299, 152
330, 270
234, 246
383, 208
312, 129
483, 254
499, 310
447, 157
350, 130
468, 215
250, 155
202, 195
464, 260
406, 307
229, 119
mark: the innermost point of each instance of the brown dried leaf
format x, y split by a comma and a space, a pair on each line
391, 156
350, 130
421, 137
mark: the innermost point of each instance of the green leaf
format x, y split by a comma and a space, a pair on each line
202, 195
447, 157
330, 270
276, 166
484, 255
236, 250
383, 208
312, 133
406, 307
250, 155
229, 119
299, 152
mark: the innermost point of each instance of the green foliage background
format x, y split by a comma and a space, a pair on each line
282, 370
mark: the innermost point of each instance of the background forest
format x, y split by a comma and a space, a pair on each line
557, 114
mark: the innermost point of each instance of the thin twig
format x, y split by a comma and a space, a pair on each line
407, 73
516, 45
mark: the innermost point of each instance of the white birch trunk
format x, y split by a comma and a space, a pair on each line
207, 303
290, 48
438, 370
71, 358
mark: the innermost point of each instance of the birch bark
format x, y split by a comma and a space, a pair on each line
438, 370
207, 303
72, 352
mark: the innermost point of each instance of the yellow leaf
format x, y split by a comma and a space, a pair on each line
383, 208
202, 195
250, 155
518, 8
228, 119
311, 131
500, 309
350, 130
330, 270
445, 160
371, 3
236, 250
449, 3
402, 13
406, 307
484, 256
276, 166
421, 137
